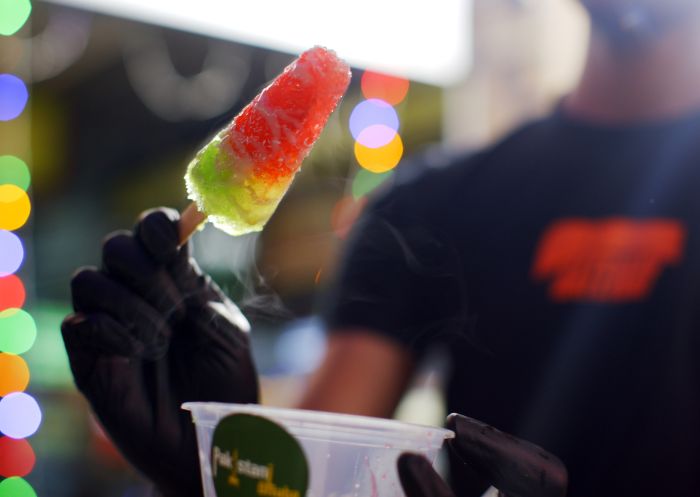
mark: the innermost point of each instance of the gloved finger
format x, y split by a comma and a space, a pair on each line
98, 333
419, 479
157, 231
194, 285
515, 467
124, 259
90, 337
94, 292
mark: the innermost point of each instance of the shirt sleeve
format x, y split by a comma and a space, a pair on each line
399, 276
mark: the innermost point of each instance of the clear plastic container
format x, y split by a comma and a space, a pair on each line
348, 456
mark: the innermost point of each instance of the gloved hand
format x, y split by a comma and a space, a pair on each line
149, 332
515, 467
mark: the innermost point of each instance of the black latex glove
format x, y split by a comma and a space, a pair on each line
150, 331
515, 467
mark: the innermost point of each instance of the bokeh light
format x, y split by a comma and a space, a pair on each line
16, 487
12, 293
371, 113
14, 375
13, 96
13, 171
300, 348
17, 457
376, 135
391, 89
20, 415
13, 15
11, 253
14, 207
379, 160
365, 182
17, 331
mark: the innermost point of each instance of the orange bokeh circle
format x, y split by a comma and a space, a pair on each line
14, 374
391, 89
382, 159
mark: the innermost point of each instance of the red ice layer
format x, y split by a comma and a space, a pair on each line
277, 129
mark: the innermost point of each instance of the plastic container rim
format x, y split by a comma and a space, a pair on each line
307, 419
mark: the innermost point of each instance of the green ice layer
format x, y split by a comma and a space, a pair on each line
225, 189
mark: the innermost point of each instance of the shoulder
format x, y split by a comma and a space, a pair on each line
438, 174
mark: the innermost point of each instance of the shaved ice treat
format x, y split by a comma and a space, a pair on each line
238, 179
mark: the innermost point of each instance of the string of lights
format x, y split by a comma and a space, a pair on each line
20, 414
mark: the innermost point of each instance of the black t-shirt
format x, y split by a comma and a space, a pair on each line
562, 267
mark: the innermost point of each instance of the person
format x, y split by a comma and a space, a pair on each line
559, 267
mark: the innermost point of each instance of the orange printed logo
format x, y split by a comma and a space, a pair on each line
612, 260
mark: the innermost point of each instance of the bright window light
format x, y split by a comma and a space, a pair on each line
424, 41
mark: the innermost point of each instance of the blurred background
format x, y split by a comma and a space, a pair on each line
103, 103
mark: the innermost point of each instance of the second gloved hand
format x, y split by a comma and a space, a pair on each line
149, 332
515, 467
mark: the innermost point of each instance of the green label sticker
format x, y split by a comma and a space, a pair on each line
252, 456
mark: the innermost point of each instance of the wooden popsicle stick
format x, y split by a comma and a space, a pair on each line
190, 219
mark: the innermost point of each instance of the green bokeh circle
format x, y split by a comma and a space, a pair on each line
17, 331
366, 181
13, 171
13, 15
16, 487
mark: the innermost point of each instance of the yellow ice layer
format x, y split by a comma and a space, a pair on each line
225, 188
